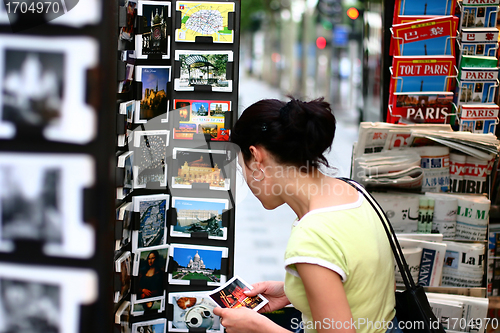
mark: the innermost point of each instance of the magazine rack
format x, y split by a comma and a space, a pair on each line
387, 75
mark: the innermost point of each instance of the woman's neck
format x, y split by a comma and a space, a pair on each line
314, 190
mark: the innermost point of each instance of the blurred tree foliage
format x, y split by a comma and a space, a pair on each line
253, 12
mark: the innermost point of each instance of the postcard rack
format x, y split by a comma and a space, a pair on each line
176, 170
56, 141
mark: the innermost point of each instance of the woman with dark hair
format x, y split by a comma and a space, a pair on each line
339, 265
151, 277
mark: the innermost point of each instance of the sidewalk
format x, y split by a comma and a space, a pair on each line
261, 235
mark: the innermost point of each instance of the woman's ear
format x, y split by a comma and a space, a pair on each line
257, 154
257, 158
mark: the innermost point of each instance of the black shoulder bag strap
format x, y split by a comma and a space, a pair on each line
391, 235
412, 306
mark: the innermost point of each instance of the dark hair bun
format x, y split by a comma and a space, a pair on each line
296, 133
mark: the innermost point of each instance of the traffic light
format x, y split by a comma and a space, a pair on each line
321, 42
352, 13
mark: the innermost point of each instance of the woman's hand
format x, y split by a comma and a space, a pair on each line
245, 320
273, 291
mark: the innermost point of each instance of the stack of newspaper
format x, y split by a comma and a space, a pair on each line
381, 144
377, 137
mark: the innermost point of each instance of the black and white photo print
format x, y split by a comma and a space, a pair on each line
41, 199
42, 88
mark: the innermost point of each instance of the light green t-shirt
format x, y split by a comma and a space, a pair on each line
351, 241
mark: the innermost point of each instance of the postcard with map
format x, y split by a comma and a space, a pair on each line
196, 262
193, 116
154, 40
204, 69
205, 19
200, 166
199, 215
193, 310
150, 158
152, 211
154, 102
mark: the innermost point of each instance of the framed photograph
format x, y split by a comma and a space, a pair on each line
127, 32
200, 166
123, 267
205, 19
124, 214
203, 68
193, 310
196, 262
152, 211
150, 326
201, 117
154, 40
126, 162
43, 83
127, 109
41, 199
122, 317
199, 215
231, 295
154, 101
44, 299
150, 157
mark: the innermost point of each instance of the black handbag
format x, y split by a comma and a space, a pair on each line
413, 310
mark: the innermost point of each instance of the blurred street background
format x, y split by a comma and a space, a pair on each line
309, 49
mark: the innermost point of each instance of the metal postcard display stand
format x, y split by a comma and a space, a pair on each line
175, 169
73, 154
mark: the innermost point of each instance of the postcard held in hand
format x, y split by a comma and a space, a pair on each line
231, 295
